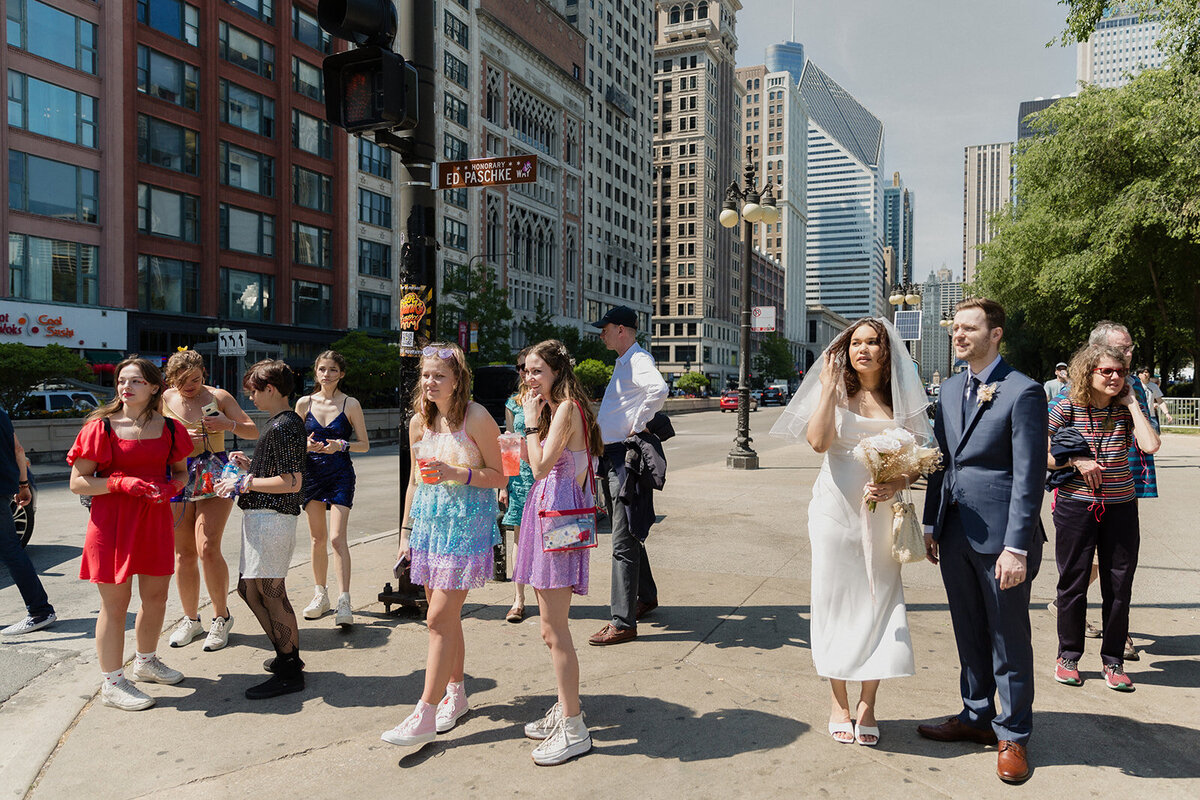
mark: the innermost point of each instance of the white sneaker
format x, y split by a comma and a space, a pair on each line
413, 730
319, 604
544, 726
452, 708
345, 614
569, 738
30, 624
218, 633
185, 631
125, 696
155, 671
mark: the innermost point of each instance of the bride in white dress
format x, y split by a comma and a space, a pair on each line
859, 631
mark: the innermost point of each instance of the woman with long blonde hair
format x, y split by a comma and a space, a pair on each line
449, 527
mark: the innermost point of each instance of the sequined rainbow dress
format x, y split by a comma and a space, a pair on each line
454, 525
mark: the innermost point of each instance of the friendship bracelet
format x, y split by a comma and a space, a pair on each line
469, 474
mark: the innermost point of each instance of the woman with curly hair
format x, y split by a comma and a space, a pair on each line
449, 527
1095, 510
563, 443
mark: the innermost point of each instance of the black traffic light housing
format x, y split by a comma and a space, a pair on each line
369, 88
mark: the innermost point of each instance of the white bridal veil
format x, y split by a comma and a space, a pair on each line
909, 401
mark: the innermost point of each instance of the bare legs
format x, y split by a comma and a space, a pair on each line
447, 650
320, 532
110, 624
198, 531
554, 607
840, 707
519, 597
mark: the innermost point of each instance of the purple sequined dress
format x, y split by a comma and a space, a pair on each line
558, 569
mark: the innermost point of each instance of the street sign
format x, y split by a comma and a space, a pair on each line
908, 325
487, 172
231, 343
762, 319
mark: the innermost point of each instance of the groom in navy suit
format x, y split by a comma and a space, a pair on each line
983, 524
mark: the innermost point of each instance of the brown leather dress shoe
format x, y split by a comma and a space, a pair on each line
643, 609
612, 635
955, 730
1011, 765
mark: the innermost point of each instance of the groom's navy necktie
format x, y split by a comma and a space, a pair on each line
969, 398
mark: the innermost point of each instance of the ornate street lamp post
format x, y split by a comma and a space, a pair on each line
754, 207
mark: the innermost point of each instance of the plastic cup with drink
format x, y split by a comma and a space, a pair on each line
510, 453
423, 451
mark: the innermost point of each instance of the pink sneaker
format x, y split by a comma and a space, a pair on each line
419, 727
452, 708
1115, 677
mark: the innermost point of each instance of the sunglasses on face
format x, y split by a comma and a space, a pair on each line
444, 353
520, 367
1109, 372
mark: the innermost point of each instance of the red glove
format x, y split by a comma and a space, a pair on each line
134, 487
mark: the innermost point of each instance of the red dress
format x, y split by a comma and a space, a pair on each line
126, 535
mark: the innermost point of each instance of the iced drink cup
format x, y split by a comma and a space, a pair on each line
510, 453
423, 451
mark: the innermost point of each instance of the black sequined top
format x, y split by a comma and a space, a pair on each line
280, 451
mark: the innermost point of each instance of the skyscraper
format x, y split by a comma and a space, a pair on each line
845, 199
786, 57
987, 187
940, 294
898, 226
1123, 44
1030, 108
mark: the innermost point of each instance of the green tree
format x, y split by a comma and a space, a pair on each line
476, 297
373, 372
540, 327
594, 375
24, 367
1179, 37
691, 382
773, 360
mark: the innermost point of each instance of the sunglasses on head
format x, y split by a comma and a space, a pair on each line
440, 352
1108, 372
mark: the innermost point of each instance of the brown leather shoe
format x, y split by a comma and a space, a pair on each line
955, 730
643, 609
612, 635
1011, 765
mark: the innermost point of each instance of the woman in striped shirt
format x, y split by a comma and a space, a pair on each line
1095, 511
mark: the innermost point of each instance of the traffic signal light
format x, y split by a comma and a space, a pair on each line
369, 88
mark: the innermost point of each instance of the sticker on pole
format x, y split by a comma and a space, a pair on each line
762, 319
415, 321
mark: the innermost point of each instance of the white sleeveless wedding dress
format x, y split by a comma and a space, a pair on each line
854, 636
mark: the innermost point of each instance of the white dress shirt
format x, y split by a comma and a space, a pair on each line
634, 394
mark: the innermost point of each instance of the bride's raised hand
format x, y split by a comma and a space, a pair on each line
830, 374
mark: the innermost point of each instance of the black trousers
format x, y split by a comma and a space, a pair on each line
1081, 531
632, 579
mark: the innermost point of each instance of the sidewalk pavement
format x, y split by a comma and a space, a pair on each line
716, 699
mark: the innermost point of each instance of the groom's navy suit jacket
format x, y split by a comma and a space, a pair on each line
994, 464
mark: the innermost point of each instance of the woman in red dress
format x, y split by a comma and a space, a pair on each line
131, 462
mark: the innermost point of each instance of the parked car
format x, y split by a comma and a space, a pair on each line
23, 516
729, 401
60, 400
773, 396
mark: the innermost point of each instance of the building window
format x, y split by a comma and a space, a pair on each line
306, 31
453, 148
248, 170
456, 197
312, 304
312, 189
246, 51
169, 146
374, 259
458, 31
51, 188
456, 71
374, 311
50, 110
56, 35
162, 212
171, 17
310, 134
247, 231
455, 109
52, 270
312, 246
454, 234
168, 285
248, 110
247, 295
262, 9
308, 80
374, 159
167, 78
374, 208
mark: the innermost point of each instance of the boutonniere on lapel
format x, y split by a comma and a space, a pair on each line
987, 392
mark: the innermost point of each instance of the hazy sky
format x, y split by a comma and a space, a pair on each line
940, 74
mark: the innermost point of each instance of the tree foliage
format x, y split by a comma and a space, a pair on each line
541, 327
594, 375
691, 382
773, 360
1179, 37
475, 297
373, 372
24, 367
1107, 221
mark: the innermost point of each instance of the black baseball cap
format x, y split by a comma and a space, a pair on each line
618, 315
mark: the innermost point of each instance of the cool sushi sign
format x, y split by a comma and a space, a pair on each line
40, 324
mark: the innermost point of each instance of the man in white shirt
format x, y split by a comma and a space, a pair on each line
634, 394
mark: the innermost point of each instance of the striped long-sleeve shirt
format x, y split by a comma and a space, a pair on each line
1109, 432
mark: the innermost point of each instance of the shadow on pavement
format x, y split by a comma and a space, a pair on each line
760, 627
44, 558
